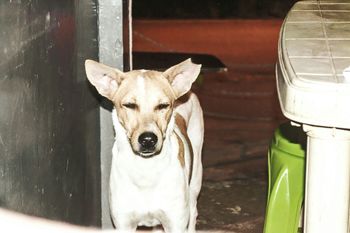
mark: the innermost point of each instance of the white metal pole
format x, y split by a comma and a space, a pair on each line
327, 180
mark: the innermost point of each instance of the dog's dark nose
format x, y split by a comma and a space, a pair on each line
148, 140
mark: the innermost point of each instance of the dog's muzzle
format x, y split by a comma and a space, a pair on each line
148, 142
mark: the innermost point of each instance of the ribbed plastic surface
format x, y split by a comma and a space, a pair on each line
314, 50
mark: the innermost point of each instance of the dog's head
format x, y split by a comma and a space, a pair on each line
144, 99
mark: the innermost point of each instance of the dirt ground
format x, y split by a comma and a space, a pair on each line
233, 205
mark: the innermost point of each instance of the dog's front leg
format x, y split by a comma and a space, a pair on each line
176, 223
125, 224
175, 228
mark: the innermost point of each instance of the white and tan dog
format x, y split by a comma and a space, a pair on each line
156, 171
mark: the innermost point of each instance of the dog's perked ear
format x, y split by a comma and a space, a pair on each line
106, 79
181, 76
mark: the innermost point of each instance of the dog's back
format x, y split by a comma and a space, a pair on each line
189, 108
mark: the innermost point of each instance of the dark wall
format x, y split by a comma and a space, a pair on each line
49, 120
211, 9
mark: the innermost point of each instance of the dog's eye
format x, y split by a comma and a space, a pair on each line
162, 106
130, 105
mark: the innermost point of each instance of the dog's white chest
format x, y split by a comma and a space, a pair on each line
146, 202
145, 189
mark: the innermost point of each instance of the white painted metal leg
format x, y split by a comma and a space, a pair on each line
327, 180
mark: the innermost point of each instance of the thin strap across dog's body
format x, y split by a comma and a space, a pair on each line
185, 145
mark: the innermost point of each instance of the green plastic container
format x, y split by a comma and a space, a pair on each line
286, 161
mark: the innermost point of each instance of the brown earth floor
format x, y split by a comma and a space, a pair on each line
241, 111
